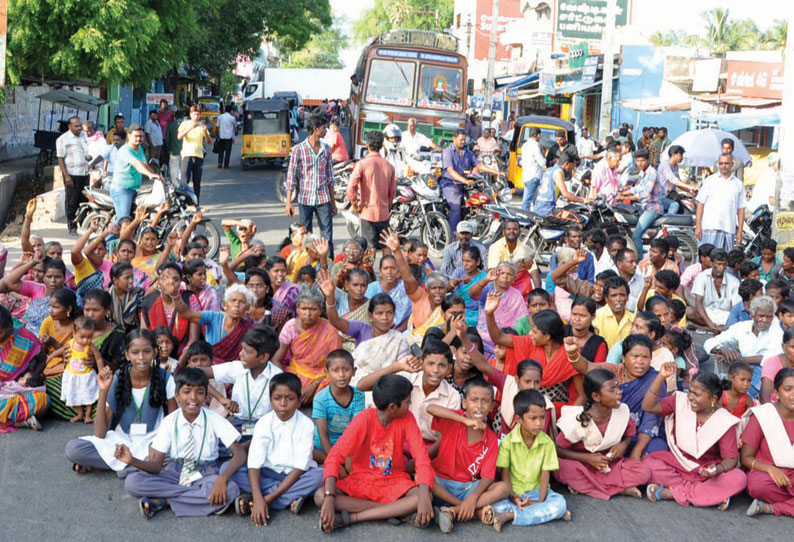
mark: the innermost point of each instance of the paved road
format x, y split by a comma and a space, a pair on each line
48, 501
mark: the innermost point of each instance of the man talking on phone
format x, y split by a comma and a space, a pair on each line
311, 173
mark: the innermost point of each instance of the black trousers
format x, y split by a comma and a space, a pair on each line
74, 196
190, 169
224, 151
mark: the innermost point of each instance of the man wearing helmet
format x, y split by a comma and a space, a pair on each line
457, 162
394, 154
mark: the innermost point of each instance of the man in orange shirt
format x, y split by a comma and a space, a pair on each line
373, 186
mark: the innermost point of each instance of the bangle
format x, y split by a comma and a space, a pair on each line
471, 349
329, 306
653, 391
752, 465
574, 360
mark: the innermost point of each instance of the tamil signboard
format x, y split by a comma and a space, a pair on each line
577, 54
546, 83
589, 70
153, 98
586, 19
755, 79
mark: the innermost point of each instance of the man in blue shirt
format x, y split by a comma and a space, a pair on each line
749, 289
458, 161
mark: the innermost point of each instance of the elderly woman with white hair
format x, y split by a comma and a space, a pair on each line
527, 274
751, 341
306, 341
512, 310
224, 330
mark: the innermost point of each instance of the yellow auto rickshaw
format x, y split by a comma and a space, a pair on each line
210, 109
266, 133
547, 125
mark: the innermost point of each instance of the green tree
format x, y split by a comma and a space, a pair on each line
132, 41
724, 34
321, 52
775, 36
388, 15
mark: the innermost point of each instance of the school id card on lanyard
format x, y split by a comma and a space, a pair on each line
190, 472
138, 429
248, 428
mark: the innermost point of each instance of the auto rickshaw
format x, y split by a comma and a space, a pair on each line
266, 132
210, 109
547, 125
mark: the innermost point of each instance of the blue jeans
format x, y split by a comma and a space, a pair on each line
646, 219
325, 217
453, 193
122, 201
552, 508
459, 490
670, 206
530, 190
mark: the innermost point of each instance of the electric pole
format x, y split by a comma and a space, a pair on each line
607, 42
782, 225
489, 82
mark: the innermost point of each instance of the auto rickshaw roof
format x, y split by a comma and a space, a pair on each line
542, 121
267, 105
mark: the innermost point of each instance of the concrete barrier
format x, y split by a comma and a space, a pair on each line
9, 182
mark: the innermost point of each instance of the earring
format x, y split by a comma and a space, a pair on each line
712, 405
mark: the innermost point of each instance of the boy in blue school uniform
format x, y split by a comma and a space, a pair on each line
281, 472
190, 483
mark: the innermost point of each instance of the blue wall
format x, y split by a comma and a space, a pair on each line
641, 76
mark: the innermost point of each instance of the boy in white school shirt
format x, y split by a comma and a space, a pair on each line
250, 377
190, 483
281, 472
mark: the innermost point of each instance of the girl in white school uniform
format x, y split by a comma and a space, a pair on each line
593, 440
189, 483
130, 408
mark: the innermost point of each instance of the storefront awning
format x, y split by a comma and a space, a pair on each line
657, 104
731, 122
518, 83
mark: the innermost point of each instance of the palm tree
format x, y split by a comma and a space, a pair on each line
717, 27
775, 36
724, 35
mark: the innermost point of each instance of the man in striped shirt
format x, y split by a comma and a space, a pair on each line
310, 172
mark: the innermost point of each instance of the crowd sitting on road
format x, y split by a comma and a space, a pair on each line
381, 388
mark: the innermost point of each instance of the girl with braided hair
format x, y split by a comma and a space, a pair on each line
593, 440
130, 408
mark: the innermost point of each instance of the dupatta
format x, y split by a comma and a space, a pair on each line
776, 436
590, 435
228, 348
512, 308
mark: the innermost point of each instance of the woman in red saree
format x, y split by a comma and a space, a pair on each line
305, 343
160, 307
561, 382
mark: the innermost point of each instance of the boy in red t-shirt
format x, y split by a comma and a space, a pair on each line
466, 462
378, 486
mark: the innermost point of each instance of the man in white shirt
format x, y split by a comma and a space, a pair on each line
750, 341
412, 140
626, 265
586, 146
227, 125
109, 152
764, 189
71, 150
532, 162
154, 136
721, 204
715, 293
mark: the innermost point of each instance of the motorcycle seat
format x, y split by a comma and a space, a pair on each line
626, 208
341, 165
526, 215
675, 220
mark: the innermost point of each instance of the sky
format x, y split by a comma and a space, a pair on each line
654, 15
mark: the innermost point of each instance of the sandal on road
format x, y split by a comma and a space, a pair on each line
149, 506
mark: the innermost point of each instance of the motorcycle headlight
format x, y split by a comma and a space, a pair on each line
505, 195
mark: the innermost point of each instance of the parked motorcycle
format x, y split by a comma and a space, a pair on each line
756, 230
418, 206
478, 197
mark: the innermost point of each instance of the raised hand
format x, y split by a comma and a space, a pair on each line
492, 302
580, 256
223, 255
326, 284
391, 240
198, 217
410, 364
668, 369
322, 247
141, 213
112, 229
30, 208
571, 346
492, 275
172, 238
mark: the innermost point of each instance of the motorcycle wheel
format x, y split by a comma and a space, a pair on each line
487, 239
281, 188
688, 246
102, 218
207, 228
436, 234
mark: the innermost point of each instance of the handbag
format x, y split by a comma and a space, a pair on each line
216, 148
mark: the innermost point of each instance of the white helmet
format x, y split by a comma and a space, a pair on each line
391, 132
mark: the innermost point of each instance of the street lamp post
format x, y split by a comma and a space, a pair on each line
489, 83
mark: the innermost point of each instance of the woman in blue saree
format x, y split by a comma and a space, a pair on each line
635, 376
462, 278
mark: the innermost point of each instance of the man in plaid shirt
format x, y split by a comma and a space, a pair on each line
310, 172
649, 193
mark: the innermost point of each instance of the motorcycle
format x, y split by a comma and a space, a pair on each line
478, 197
182, 206
681, 226
418, 206
756, 230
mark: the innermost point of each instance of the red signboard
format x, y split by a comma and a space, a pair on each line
509, 10
755, 79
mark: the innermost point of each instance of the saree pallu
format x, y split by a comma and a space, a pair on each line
287, 294
472, 305
361, 314
308, 351
512, 312
146, 264
55, 365
93, 281
647, 423
18, 403
124, 311
17, 351
228, 348
416, 334
153, 315
378, 352
210, 298
38, 310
